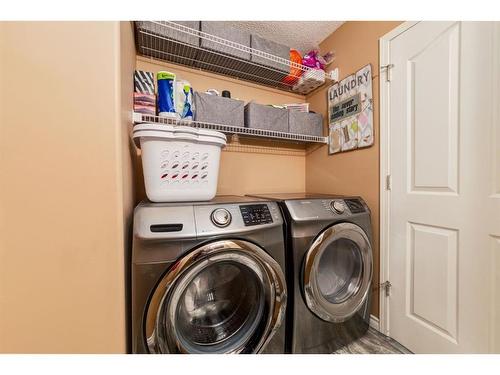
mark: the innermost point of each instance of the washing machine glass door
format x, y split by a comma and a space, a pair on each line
224, 297
337, 272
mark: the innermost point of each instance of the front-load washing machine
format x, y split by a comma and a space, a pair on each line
329, 270
208, 277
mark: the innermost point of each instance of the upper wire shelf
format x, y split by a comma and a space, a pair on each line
140, 118
173, 42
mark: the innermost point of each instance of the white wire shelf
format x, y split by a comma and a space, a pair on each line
173, 42
140, 118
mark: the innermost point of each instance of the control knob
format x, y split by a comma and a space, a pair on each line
337, 206
221, 217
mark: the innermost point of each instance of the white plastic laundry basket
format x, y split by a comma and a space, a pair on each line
180, 163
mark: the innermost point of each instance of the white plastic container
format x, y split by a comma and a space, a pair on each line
180, 163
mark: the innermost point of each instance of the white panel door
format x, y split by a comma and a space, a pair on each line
444, 201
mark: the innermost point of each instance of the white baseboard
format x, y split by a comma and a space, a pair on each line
374, 322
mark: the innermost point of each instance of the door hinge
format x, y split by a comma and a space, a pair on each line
387, 287
388, 182
387, 69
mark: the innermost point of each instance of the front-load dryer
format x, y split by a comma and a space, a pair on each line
208, 277
329, 270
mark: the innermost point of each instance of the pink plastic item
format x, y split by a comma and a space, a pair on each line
312, 59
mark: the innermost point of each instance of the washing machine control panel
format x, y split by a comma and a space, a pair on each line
227, 218
255, 214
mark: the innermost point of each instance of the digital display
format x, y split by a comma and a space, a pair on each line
255, 214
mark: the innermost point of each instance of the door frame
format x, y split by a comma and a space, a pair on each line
385, 168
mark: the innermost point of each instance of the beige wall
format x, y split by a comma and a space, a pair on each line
64, 196
246, 166
355, 172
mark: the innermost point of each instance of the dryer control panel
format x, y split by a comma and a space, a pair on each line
325, 209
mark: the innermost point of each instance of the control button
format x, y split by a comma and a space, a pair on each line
337, 206
221, 217
256, 214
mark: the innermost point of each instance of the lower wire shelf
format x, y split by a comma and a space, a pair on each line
140, 118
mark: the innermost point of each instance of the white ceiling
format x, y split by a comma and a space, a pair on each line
301, 35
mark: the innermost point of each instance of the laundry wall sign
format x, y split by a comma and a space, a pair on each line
350, 112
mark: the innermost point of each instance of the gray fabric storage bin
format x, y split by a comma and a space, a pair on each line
218, 110
222, 31
273, 48
179, 47
271, 71
260, 116
305, 123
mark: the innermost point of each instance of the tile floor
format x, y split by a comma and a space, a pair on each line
374, 342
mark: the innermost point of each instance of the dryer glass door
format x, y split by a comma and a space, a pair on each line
337, 272
225, 297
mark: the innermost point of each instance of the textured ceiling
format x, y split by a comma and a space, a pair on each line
301, 35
